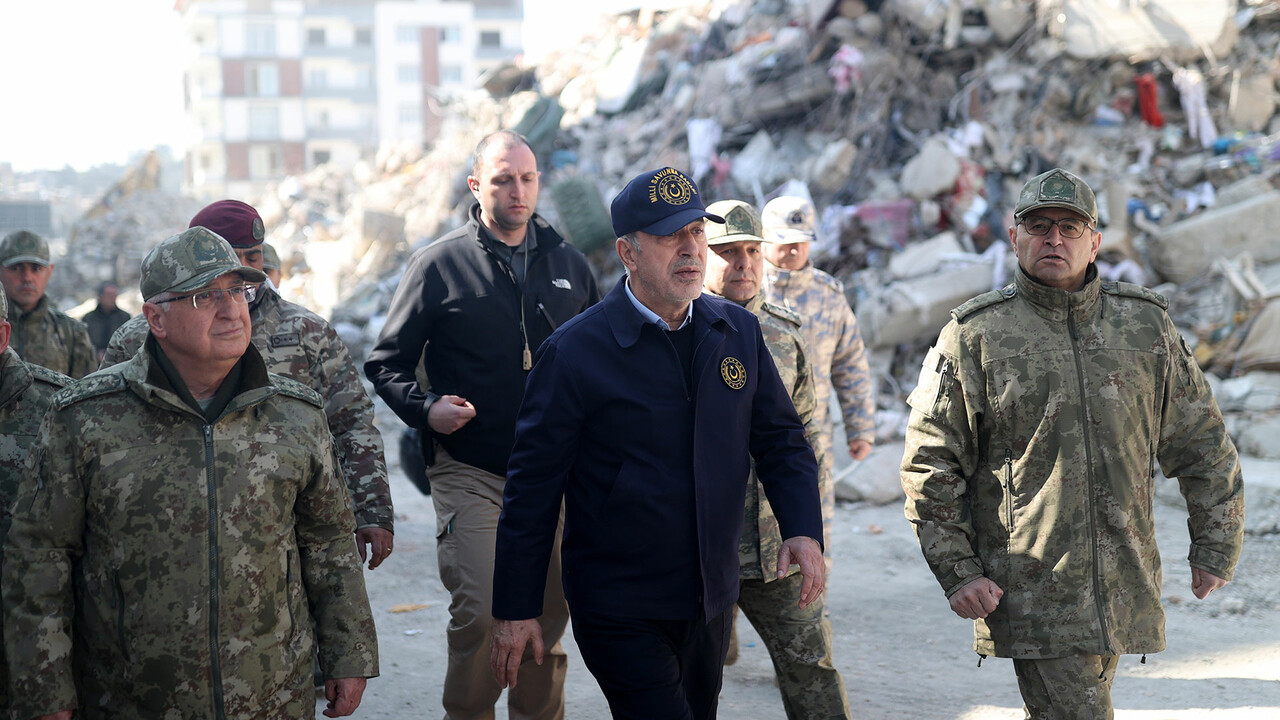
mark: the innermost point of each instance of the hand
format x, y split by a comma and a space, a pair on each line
1204, 582
805, 552
977, 599
507, 651
449, 413
64, 715
381, 542
343, 695
859, 449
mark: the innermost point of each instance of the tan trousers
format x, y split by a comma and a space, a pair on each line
468, 501
1077, 687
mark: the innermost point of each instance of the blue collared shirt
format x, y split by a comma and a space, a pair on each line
651, 316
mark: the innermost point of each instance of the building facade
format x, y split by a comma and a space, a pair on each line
278, 87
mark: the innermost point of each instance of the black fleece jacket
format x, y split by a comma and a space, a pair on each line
460, 302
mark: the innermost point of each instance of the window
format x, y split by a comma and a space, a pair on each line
364, 76
262, 80
407, 35
409, 74
317, 78
451, 74
206, 161
410, 113
260, 39
264, 162
364, 36
490, 39
322, 120
320, 157
264, 122
315, 37
450, 34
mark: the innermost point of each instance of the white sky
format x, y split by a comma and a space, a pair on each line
84, 82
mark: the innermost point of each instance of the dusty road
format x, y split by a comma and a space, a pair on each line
902, 652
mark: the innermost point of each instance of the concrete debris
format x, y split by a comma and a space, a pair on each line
912, 124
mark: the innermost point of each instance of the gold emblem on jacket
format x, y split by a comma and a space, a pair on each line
733, 372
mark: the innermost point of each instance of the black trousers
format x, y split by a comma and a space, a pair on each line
655, 669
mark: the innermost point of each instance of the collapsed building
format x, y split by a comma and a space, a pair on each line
910, 124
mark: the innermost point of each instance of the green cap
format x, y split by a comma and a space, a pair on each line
741, 222
189, 261
23, 246
1057, 189
270, 258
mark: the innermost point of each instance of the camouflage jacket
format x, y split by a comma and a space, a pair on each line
162, 567
1030, 459
25, 392
49, 338
834, 343
301, 345
761, 538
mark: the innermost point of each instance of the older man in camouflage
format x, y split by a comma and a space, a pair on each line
799, 639
40, 333
25, 394
830, 332
301, 345
182, 540
1031, 450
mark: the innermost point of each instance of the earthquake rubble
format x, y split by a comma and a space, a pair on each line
911, 124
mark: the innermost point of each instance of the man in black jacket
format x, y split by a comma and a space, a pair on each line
104, 319
480, 300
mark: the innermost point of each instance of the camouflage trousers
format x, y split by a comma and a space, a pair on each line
799, 642
1070, 688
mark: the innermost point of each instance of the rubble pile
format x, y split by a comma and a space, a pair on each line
911, 124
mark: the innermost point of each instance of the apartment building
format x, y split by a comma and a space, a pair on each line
277, 87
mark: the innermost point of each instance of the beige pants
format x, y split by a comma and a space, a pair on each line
468, 501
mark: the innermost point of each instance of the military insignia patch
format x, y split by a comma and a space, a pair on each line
671, 187
733, 372
259, 231
286, 339
1057, 187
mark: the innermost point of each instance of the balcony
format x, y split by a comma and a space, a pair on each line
358, 95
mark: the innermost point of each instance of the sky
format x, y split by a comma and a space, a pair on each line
85, 82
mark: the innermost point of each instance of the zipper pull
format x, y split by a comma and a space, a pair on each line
527, 357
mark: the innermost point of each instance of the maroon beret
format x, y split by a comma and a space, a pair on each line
238, 223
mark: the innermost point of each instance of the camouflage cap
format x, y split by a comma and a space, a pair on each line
1057, 189
23, 246
4, 304
788, 219
741, 222
270, 258
189, 261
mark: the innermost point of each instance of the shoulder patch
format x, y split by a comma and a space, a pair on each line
1113, 287
784, 313
828, 279
285, 339
984, 300
295, 389
89, 387
53, 377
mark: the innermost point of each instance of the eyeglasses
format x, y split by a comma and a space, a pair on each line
205, 299
1070, 228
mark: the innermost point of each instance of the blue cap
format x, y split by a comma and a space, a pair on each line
658, 202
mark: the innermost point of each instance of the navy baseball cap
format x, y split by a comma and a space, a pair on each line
658, 202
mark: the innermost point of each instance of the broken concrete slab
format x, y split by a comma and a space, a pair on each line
918, 308
875, 480
1102, 29
1187, 248
932, 171
925, 257
1253, 102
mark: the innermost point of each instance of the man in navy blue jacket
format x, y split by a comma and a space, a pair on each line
642, 415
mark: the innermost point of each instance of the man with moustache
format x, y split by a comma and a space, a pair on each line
799, 640
472, 307
642, 416
41, 334
182, 542
1030, 460
302, 346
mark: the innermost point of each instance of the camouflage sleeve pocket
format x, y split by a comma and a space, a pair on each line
937, 375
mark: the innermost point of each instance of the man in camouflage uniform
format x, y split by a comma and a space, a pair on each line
799, 639
25, 392
181, 541
41, 334
830, 332
301, 345
1030, 460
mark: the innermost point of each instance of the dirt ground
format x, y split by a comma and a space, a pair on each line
902, 653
